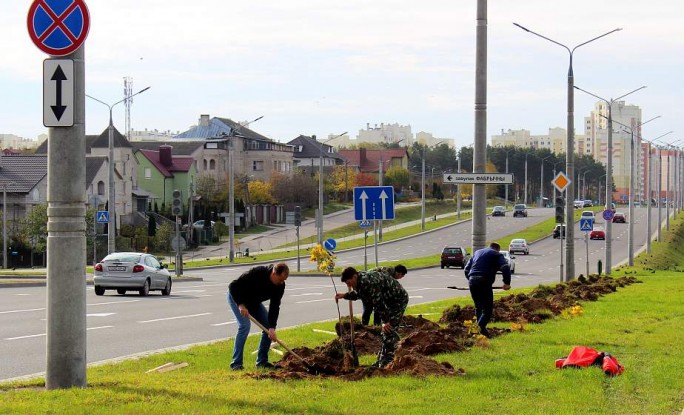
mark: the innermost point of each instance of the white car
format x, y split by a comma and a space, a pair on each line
588, 214
519, 245
579, 204
510, 259
131, 271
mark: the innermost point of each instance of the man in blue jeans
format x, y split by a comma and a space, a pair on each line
245, 297
481, 272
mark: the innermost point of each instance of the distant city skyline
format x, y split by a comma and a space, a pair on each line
320, 68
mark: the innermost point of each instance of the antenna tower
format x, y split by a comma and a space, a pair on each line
128, 91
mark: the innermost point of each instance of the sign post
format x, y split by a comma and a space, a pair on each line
586, 225
59, 28
561, 182
373, 203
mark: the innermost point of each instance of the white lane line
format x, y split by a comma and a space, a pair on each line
314, 301
23, 294
113, 302
22, 311
225, 324
175, 318
415, 296
305, 294
44, 334
189, 291
100, 314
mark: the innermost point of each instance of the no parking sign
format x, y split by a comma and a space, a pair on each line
58, 27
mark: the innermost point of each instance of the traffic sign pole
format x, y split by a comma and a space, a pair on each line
59, 28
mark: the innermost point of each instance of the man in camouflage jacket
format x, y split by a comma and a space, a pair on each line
397, 272
388, 298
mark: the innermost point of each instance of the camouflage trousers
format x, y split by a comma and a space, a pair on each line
390, 339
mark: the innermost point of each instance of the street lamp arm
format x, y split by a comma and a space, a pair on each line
597, 37
622, 96
593, 95
544, 37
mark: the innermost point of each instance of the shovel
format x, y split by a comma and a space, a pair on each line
467, 289
309, 368
355, 355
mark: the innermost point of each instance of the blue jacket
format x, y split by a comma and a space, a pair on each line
486, 263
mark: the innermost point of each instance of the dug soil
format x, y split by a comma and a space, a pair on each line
422, 338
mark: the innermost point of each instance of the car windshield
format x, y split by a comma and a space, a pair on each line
123, 257
518, 241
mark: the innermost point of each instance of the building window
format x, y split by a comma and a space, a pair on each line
148, 173
212, 164
204, 165
100, 188
258, 165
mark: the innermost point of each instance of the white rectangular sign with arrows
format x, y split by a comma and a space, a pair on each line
58, 93
478, 178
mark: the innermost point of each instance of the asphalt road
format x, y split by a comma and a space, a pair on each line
120, 326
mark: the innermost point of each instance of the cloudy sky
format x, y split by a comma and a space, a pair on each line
326, 67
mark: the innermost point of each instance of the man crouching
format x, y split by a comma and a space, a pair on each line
388, 298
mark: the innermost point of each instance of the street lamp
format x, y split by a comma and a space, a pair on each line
632, 157
422, 193
609, 172
583, 187
541, 182
525, 190
669, 192
569, 152
111, 229
649, 196
506, 185
319, 219
599, 188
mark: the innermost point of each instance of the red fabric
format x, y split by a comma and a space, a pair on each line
611, 366
581, 356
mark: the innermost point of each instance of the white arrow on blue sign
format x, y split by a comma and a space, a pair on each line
102, 216
330, 244
374, 203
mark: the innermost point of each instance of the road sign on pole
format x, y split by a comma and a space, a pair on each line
586, 224
102, 216
58, 27
561, 182
478, 178
373, 203
58, 92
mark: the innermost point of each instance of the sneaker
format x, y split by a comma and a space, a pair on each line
236, 368
266, 365
485, 333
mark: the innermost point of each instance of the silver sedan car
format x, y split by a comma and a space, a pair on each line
131, 271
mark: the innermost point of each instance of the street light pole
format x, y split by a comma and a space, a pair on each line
506, 185
111, 192
319, 219
609, 172
422, 195
525, 190
541, 183
569, 151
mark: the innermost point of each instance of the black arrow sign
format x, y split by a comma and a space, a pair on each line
58, 76
449, 177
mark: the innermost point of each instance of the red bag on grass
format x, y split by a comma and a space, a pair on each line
582, 356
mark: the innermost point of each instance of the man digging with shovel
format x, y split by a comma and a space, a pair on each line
388, 298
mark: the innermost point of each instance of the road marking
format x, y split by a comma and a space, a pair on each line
175, 318
415, 296
100, 314
314, 301
189, 291
225, 324
113, 302
22, 311
44, 334
305, 294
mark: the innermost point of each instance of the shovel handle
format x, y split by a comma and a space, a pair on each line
261, 326
466, 288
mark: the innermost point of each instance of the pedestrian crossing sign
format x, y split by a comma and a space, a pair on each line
102, 216
586, 225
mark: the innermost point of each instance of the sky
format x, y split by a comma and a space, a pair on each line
328, 67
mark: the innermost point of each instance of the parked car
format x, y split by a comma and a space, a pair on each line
579, 204
519, 245
131, 271
454, 256
588, 203
200, 224
597, 233
499, 211
511, 261
520, 210
619, 217
557, 232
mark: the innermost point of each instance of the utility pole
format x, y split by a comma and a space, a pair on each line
479, 233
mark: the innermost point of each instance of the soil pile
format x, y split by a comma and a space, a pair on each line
421, 338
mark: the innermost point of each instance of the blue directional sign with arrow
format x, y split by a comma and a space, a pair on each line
373, 203
586, 224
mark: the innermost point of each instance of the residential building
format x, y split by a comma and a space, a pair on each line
386, 133
369, 161
309, 152
23, 182
160, 172
555, 140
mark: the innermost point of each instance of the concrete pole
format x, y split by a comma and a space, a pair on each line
506, 185
66, 289
541, 185
609, 190
630, 225
525, 192
668, 195
422, 196
660, 192
319, 218
458, 189
570, 171
231, 201
648, 200
111, 228
4, 226
479, 226
379, 234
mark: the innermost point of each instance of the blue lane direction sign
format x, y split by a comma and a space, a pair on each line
102, 216
330, 244
58, 27
586, 224
374, 203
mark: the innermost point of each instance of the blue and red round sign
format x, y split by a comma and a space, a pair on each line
58, 27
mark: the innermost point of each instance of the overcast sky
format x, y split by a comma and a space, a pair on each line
326, 67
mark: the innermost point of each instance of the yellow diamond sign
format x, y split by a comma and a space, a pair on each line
561, 181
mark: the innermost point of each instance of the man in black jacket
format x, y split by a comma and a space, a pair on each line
245, 297
481, 272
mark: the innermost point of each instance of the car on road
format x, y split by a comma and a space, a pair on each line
579, 204
597, 233
619, 217
588, 214
499, 211
588, 203
519, 245
131, 271
510, 259
200, 224
520, 210
557, 232
454, 256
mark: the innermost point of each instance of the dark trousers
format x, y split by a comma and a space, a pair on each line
483, 297
367, 311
